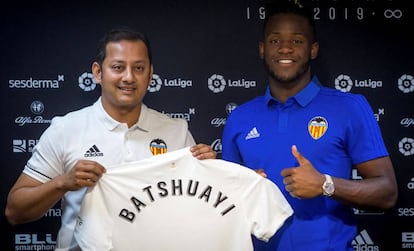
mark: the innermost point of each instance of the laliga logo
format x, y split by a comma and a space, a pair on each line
155, 84
406, 146
216, 83
87, 82
406, 83
343, 83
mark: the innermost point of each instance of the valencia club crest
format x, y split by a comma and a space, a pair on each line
158, 146
317, 127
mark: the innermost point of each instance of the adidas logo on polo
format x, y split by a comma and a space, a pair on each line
253, 134
93, 152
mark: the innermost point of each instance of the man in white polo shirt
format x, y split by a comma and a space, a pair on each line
74, 151
175, 202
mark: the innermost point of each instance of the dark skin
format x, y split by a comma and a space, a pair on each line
287, 49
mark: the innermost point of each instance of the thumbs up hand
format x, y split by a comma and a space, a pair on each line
303, 181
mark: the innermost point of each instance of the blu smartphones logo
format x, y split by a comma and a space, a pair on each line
407, 239
34, 242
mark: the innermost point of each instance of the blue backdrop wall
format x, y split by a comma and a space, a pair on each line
206, 62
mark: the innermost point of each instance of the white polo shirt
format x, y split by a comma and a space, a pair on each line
175, 202
90, 133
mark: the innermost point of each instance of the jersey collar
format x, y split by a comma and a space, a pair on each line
103, 116
111, 123
303, 98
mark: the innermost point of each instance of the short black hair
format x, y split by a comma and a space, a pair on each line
289, 7
119, 34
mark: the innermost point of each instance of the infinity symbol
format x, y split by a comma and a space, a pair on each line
393, 13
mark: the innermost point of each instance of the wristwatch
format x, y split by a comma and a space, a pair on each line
328, 187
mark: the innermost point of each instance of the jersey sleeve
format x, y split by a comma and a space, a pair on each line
189, 140
364, 141
267, 208
46, 160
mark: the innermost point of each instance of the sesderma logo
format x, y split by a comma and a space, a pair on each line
36, 83
181, 115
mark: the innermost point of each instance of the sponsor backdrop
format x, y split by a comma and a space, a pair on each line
206, 63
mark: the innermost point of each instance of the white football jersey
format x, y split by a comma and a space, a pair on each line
175, 202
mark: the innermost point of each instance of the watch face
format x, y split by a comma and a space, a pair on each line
328, 186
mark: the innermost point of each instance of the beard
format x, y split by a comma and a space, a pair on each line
287, 78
